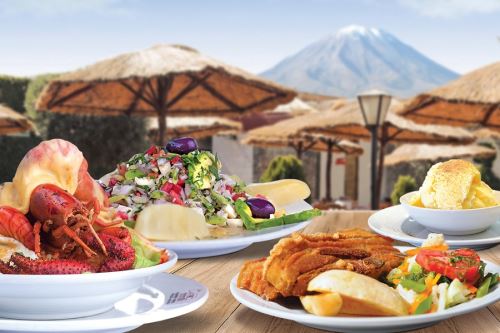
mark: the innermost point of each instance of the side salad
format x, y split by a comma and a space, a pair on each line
182, 174
433, 278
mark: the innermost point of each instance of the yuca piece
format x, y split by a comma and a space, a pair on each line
361, 295
281, 192
171, 222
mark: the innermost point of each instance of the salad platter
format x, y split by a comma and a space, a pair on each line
178, 197
162, 297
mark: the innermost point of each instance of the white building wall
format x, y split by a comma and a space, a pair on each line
237, 159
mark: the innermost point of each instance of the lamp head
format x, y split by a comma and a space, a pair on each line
374, 105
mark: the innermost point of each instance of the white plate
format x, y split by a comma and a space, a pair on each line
362, 324
163, 297
215, 247
47, 297
394, 222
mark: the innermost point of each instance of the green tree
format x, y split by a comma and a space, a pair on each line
12, 91
33, 90
403, 185
282, 167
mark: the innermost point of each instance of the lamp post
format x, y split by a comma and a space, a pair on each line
374, 105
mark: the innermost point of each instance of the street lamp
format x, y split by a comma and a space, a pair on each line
374, 105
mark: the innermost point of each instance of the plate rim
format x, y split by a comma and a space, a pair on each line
240, 240
404, 237
135, 320
367, 322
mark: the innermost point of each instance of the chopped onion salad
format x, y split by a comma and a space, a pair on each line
433, 278
182, 174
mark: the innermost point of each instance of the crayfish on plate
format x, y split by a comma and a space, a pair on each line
70, 233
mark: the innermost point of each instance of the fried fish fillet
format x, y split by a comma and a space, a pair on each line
296, 260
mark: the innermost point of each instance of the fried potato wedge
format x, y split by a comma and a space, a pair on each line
361, 295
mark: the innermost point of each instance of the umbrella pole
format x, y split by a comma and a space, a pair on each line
381, 157
162, 127
380, 170
329, 171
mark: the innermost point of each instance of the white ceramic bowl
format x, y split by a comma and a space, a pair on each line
453, 222
46, 297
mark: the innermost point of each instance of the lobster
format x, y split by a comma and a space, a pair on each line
121, 256
63, 218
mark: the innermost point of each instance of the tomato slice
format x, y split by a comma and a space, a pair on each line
462, 264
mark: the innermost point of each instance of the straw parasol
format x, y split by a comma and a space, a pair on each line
472, 99
197, 128
424, 152
346, 122
163, 80
288, 133
12, 122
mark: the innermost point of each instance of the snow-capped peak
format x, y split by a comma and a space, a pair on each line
357, 30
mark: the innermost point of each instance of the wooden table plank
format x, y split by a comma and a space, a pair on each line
222, 313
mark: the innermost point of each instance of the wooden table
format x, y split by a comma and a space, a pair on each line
222, 313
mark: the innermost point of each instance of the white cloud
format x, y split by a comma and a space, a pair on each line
54, 7
452, 8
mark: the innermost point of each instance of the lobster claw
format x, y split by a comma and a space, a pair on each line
14, 224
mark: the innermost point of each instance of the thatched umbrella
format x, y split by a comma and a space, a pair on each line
163, 80
197, 128
472, 99
12, 122
346, 122
288, 133
424, 152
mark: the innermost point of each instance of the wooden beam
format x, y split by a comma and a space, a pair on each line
195, 81
135, 92
70, 95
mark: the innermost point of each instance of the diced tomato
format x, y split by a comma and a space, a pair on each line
152, 150
238, 195
176, 188
122, 215
462, 264
112, 182
167, 187
229, 188
180, 182
176, 159
176, 198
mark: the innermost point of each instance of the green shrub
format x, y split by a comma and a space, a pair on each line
403, 185
12, 91
12, 150
104, 141
33, 90
282, 167
486, 168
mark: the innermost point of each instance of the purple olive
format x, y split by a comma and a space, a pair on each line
182, 145
261, 208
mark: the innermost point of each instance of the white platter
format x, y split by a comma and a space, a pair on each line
362, 324
394, 222
215, 247
163, 297
49, 297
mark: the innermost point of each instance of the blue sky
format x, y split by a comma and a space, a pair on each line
38, 36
